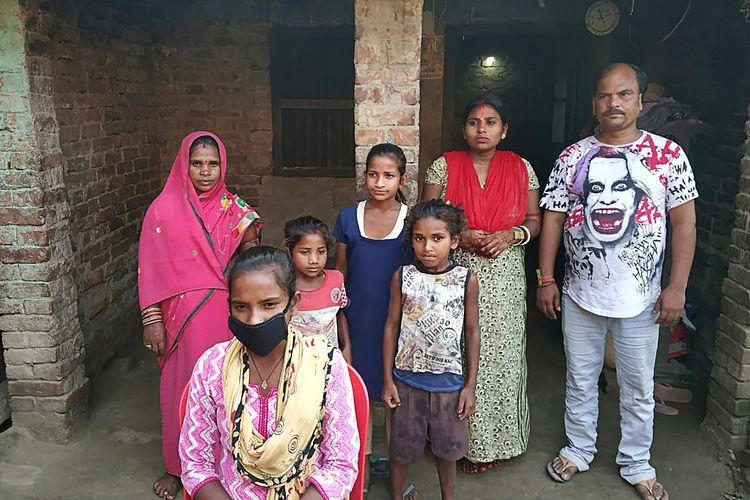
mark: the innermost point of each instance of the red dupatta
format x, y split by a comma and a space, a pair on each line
503, 201
188, 239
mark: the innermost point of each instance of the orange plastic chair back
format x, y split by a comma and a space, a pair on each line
181, 413
362, 412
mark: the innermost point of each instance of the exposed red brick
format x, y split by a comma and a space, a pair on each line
23, 216
24, 255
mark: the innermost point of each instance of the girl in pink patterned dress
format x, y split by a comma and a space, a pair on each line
322, 293
270, 414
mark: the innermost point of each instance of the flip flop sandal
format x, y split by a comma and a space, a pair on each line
645, 490
408, 491
661, 407
568, 464
666, 392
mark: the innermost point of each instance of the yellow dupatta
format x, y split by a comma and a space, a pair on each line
283, 462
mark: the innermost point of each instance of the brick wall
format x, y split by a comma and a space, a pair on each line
103, 97
215, 77
94, 99
729, 390
717, 167
386, 88
42, 340
212, 72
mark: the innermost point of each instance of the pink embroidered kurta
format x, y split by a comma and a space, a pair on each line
205, 441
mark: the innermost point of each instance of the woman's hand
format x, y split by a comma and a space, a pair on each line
495, 243
390, 395
471, 239
155, 336
249, 240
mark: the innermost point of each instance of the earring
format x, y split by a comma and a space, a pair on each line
503, 137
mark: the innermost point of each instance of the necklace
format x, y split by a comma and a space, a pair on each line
264, 380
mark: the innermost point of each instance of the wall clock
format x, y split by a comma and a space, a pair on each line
602, 17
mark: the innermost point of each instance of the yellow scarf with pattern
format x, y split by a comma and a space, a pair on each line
283, 462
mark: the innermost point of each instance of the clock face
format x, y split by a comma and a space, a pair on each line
602, 17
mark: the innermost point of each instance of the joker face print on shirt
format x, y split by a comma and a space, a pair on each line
614, 187
616, 200
610, 198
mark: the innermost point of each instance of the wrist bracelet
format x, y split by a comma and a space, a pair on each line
544, 280
521, 235
150, 310
518, 236
527, 233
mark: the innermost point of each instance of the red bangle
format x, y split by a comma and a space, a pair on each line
544, 280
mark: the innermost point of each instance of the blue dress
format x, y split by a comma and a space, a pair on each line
370, 267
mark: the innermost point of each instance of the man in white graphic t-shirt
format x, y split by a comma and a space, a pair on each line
608, 198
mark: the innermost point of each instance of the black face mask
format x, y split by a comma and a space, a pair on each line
263, 337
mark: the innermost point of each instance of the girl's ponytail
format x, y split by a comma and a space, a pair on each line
400, 196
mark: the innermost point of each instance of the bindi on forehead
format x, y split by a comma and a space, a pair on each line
484, 112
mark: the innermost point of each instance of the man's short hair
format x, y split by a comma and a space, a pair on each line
640, 75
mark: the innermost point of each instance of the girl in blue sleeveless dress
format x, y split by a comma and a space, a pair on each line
369, 248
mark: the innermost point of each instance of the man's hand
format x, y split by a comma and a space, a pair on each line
669, 306
548, 300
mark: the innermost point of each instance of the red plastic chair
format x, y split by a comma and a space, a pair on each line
181, 413
362, 413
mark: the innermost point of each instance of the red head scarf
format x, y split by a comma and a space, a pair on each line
503, 201
187, 239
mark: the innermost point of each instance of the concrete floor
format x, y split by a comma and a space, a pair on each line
116, 455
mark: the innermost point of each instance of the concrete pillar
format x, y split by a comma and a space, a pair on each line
41, 336
386, 86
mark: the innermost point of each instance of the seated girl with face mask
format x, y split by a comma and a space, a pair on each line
262, 407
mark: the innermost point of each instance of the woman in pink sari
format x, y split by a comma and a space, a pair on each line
190, 233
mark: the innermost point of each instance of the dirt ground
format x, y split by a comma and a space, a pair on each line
116, 454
